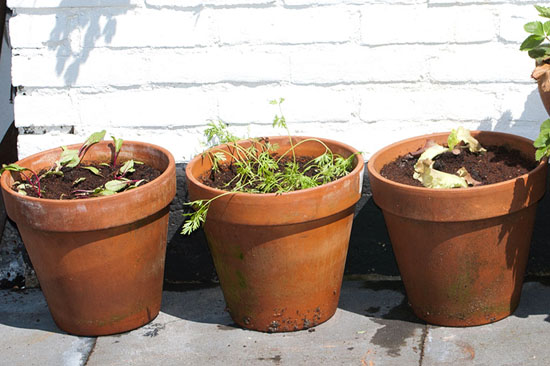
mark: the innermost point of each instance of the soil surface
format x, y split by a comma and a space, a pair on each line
223, 178
63, 187
496, 165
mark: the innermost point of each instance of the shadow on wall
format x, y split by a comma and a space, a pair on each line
75, 36
533, 113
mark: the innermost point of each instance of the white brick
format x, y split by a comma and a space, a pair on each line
243, 105
426, 102
184, 144
286, 26
480, 63
332, 2
166, 107
38, 4
36, 31
147, 28
512, 18
102, 67
522, 103
394, 24
32, 144
482, 2
45, 109
354, 64
193, 3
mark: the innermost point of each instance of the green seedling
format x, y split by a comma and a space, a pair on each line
32, 181
70, 159
118, 146
259, 169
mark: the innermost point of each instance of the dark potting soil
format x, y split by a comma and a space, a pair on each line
224, 178
496, 165
63, 187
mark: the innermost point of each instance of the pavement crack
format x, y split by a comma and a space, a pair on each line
90, 353
422, 344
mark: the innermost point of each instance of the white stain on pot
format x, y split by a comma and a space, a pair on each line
361, 176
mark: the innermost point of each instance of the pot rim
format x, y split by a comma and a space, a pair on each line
359, 167
7, 188
373, 172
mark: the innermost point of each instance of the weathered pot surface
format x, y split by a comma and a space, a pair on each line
99, 261
542, 75
280, 257
461, 252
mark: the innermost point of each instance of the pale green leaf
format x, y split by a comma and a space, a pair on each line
93, 170
118, 144
12, 167
431, 152
78, 180
543, 11
127, 167
432, 178
534, 28
462, 134
116, 185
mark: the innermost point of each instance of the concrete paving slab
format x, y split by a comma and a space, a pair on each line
373, 326
194, 329
521, 339
30, 337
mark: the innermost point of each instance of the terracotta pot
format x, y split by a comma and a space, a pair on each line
280, 257
542, 76
99, 261
461, 252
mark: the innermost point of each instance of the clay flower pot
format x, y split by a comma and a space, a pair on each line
280, 257
100, 261
542, 75
461, 252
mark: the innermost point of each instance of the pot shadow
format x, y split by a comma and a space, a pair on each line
26, 309
370, 249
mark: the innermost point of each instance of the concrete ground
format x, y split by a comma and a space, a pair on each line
373, 326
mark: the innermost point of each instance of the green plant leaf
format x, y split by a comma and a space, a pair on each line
463, 135
546, 27
59, 173
534, 28
106, 192
127, 167
540, 153
68, 158
545, 125
539, 52
118, 144
78, 180
531, 42
543, 11
93, 170
93, 139
12, 167
116, 184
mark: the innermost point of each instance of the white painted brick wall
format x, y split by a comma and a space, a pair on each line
367, 72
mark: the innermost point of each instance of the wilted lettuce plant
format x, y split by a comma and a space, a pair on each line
432, 178
258, 167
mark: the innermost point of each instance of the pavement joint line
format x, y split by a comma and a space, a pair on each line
423, 343
90, 353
